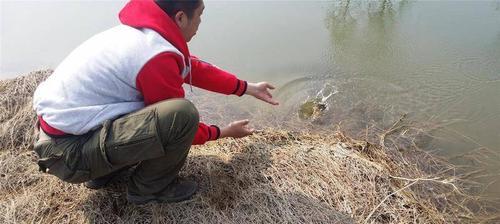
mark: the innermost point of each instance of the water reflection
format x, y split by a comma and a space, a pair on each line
437, 62
341, 23
363, 34
364, 30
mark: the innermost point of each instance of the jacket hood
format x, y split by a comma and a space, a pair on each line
147, 14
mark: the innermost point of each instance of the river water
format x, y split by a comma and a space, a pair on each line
437, 62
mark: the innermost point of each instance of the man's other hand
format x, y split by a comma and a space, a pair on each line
261, 91
236, 129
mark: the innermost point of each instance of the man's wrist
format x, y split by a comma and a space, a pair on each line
223, 132
250, 89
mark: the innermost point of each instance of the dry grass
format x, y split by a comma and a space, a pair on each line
273, 176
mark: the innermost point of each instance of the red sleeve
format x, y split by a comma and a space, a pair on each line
160, 79
209, 77
206, 133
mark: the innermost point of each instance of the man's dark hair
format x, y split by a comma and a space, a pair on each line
171, 7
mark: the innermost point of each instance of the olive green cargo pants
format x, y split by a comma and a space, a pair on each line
157, 138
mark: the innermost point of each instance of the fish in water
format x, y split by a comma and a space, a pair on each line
314, 108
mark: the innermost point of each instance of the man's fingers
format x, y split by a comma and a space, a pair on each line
270, 86
271, 100
246, 129
268, 97
243, 122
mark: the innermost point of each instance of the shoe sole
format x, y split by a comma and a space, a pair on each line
140, 200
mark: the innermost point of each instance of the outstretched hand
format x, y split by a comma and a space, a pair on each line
240, 129
237, 129
261, 91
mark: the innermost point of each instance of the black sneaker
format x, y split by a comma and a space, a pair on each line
178, 190
103, 181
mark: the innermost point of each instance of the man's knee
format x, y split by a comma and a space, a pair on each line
179, 116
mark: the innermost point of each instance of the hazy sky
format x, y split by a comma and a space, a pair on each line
38, 34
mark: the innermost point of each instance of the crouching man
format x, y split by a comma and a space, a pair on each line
117, 101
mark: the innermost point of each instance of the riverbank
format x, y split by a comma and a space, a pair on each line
272, 176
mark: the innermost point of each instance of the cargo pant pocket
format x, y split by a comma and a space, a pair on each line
133, 138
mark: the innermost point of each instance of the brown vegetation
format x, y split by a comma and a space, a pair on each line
273, 176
